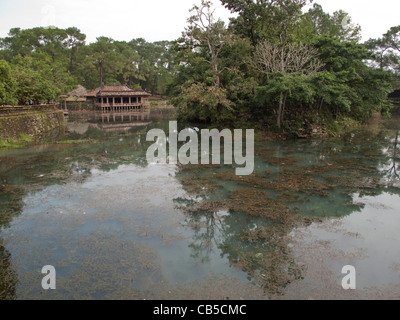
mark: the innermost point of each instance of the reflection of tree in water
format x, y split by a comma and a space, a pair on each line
8, 277
11, 202
60, 164
29, 172
391, 164
209, 230
249, 219
258, 245
394, 153
23, 171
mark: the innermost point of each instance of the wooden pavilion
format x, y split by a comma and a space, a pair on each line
118, 98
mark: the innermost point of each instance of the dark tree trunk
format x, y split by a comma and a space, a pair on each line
101, 75
281, 109
278, 123
284, 108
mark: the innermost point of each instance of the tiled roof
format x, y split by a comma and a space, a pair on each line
120, 90
93, 93
78, 92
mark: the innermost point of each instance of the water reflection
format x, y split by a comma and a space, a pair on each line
295, 184
393, 171
98, 203
8, 277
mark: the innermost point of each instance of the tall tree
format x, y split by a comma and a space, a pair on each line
202, 43
205, 29
358, 89
386, 50
103, 55
155, 66
129, 60
271, 20
295, 59
339, 25
74, 41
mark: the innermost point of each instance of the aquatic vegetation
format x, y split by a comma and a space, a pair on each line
202, 218
22, 141
10, 202
282, 161
8, 277
81, 141
259, 204
280, 193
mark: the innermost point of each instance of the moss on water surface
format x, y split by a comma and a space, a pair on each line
119, 228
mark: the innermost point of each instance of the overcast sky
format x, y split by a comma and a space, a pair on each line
157, 20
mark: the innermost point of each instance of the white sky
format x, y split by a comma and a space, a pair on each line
157, 20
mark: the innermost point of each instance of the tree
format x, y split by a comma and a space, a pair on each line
339, 25
272, 20
74, 41
392, 37
7, 84
155, 67
34, 79
199, 102
106, 59
280, 61
22, 42
357, 89
44, 52
386, 50
204, 29
201, 47
128, 61
36, 40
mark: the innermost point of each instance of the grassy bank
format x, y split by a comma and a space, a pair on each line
160, 104
22, 141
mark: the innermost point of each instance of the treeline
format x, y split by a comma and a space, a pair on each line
275, 64
40, 64
281, 67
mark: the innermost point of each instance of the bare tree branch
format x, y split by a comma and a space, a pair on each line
204, 28
293, 58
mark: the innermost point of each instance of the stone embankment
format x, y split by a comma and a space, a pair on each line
29, 121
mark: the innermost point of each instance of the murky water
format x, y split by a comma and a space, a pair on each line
116, 228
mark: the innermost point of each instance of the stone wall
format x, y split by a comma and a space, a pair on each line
32, 123
80, 105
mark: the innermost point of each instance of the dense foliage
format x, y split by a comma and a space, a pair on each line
40, 64
276, 65
279, 66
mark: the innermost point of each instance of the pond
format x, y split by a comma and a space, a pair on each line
115, 227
